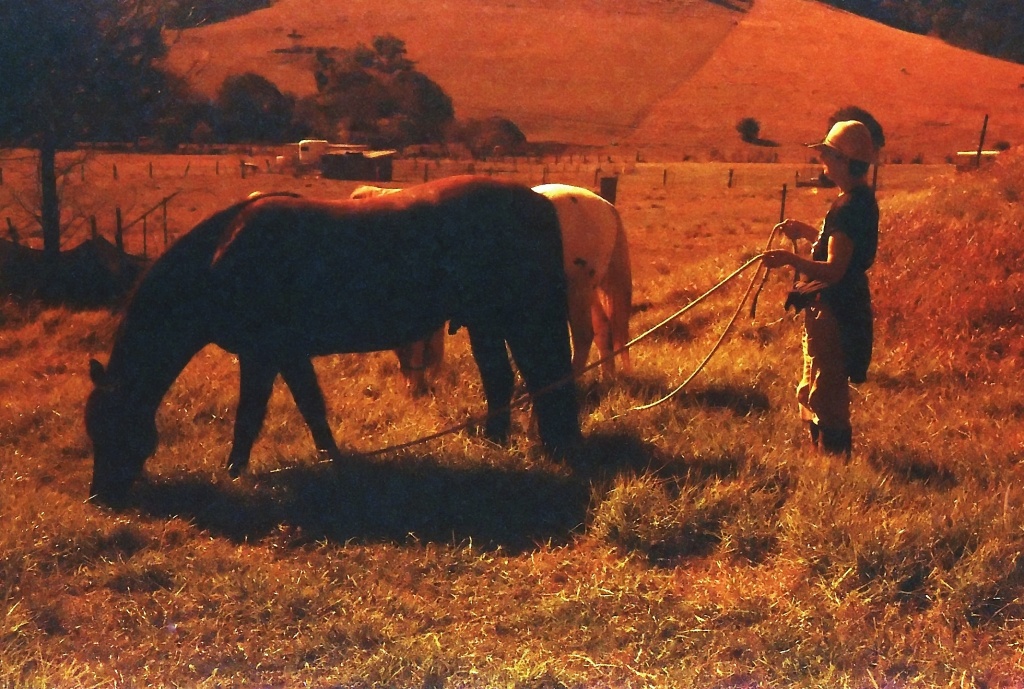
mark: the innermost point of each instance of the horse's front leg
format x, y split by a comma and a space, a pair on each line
498, 379
301, 378
256, 382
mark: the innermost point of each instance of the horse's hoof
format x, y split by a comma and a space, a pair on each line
236, 469
498, 430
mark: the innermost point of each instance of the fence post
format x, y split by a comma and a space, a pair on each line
782, 211
1, 176
609, 185
12, 231
981, 142
92, 227
118, 230
164, 204
730, 178
115, 170
664, 178
145, 235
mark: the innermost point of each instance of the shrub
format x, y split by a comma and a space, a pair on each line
749, 129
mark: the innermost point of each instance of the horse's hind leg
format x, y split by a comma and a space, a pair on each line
256, 382
301, 379
602, 334
497, 377
581, 329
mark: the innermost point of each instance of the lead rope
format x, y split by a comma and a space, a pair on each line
650, 331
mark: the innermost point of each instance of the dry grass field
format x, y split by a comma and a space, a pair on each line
698, 543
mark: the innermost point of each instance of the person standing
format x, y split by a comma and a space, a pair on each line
835, 295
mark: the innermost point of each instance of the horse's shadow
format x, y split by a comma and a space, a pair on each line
428, 497
741, 401
417, 497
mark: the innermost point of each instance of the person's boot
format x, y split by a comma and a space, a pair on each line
837, 441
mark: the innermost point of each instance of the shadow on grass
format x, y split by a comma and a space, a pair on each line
395, 499
741, 401
914, 467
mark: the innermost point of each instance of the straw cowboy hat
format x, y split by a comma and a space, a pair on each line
851, 139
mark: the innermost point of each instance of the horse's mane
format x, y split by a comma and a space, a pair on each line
175, 282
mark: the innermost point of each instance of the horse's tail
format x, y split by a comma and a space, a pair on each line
616, 293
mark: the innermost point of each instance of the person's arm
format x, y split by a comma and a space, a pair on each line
831, 270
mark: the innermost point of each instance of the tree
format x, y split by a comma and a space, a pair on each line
495, 135
377, 96
749, 129
75, 71
250, 108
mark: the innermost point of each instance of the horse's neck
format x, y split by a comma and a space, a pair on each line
147, 357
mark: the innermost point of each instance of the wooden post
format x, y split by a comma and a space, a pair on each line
730, 178
1, 176
118, 230
664, 177
12, 231
782, 210
115, 170
981, 142
145, 235
164, 204
151, 169
92, 226
609, 186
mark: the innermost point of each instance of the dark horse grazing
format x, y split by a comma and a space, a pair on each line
279, 279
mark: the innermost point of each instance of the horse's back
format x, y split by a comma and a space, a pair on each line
343, 275
589, 225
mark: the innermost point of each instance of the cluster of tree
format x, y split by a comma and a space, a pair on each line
375, 95
79, 71
88, 71
991, 27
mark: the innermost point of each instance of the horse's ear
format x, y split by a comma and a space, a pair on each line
97, 373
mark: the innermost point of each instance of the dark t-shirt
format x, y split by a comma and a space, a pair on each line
854, 214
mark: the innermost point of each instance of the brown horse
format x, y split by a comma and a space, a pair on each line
599, 283
278, 280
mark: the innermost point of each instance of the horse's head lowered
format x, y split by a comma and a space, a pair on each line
122, 434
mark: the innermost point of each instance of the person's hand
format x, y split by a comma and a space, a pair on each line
793, 229
777, 258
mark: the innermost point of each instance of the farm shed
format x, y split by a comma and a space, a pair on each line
371, 166
311, 151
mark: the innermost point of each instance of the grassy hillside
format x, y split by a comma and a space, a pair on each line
695, 544
668, 78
